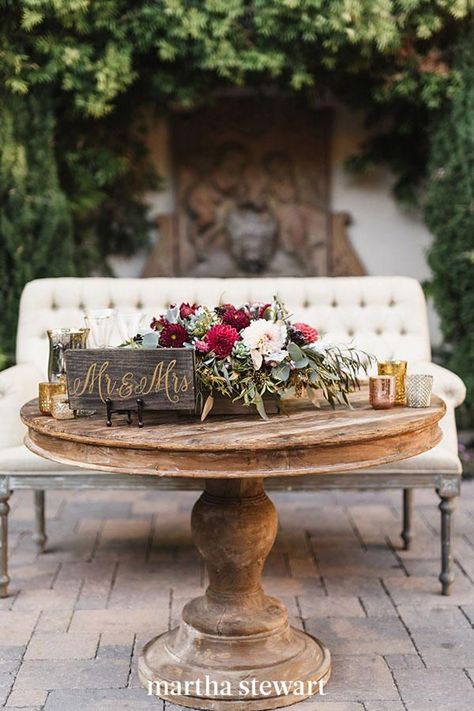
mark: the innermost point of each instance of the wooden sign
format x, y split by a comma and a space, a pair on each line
127, 378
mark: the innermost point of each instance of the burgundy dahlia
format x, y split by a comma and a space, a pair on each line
186, 310
173, 335
238, 318
221, 339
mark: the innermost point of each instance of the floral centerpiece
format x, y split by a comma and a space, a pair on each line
254, 352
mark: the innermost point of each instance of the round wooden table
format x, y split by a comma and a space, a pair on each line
235, 637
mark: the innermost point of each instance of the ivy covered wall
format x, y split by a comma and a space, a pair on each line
100, 62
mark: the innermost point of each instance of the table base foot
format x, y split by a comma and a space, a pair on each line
251, 673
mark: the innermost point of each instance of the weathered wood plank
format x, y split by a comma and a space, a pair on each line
164, 378
309, 441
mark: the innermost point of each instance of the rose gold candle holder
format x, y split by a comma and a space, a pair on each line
46, 392
398, 368
382, 391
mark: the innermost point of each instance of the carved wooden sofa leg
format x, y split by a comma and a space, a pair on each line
39, 535
4, 509
447, 507
407, 531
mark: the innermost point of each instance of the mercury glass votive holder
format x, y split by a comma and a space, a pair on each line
46, 391
382, 391
60, 409
419, 389
398, 368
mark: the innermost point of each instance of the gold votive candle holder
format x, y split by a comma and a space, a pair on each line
398, 368
382, 391
45, 393
60, 409
419, 387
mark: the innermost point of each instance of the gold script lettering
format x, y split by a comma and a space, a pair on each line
163, 379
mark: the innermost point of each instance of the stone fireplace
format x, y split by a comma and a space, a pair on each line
251, 183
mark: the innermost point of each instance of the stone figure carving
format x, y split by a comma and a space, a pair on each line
252, 194
246, 216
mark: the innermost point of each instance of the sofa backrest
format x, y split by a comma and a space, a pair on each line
385, 316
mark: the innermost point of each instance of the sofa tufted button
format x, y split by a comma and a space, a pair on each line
82, 306
139, 305
350, 332
378, 331
306, 304
54, 306
362, 304
392, 302
334, 303
111, 305
403, 332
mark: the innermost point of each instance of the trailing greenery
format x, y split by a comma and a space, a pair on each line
104, 62
450, 217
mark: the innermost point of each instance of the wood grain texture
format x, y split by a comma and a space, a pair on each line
163, 378
309, 441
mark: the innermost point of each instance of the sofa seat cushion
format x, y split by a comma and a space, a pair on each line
19, 460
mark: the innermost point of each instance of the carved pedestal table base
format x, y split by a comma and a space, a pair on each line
235, 634
234, 637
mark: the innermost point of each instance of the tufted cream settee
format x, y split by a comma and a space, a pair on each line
383, 315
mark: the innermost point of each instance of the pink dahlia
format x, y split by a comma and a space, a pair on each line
309, 333
238, 318
221, 339
173, 335
201, 346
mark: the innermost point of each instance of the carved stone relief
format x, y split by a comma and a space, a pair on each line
251, 180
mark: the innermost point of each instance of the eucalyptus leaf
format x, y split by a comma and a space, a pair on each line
281, 372
295, 352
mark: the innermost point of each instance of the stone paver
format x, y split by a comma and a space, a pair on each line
429, 689
59, 645
121, 565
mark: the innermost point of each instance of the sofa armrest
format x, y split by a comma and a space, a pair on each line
446, 384
18, 384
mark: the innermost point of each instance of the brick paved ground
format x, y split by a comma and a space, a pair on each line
120, 565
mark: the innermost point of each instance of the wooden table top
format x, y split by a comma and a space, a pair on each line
307, 441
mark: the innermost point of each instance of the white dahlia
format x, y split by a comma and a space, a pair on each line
263, 337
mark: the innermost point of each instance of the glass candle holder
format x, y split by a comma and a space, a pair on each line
382, 391
60, 339
100, 323
398, 368
60, 409
46, 391
419, 389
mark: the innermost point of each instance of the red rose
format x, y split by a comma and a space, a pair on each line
238, 318
173, 335
221, 339
186, 310
309, 333
262, 310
